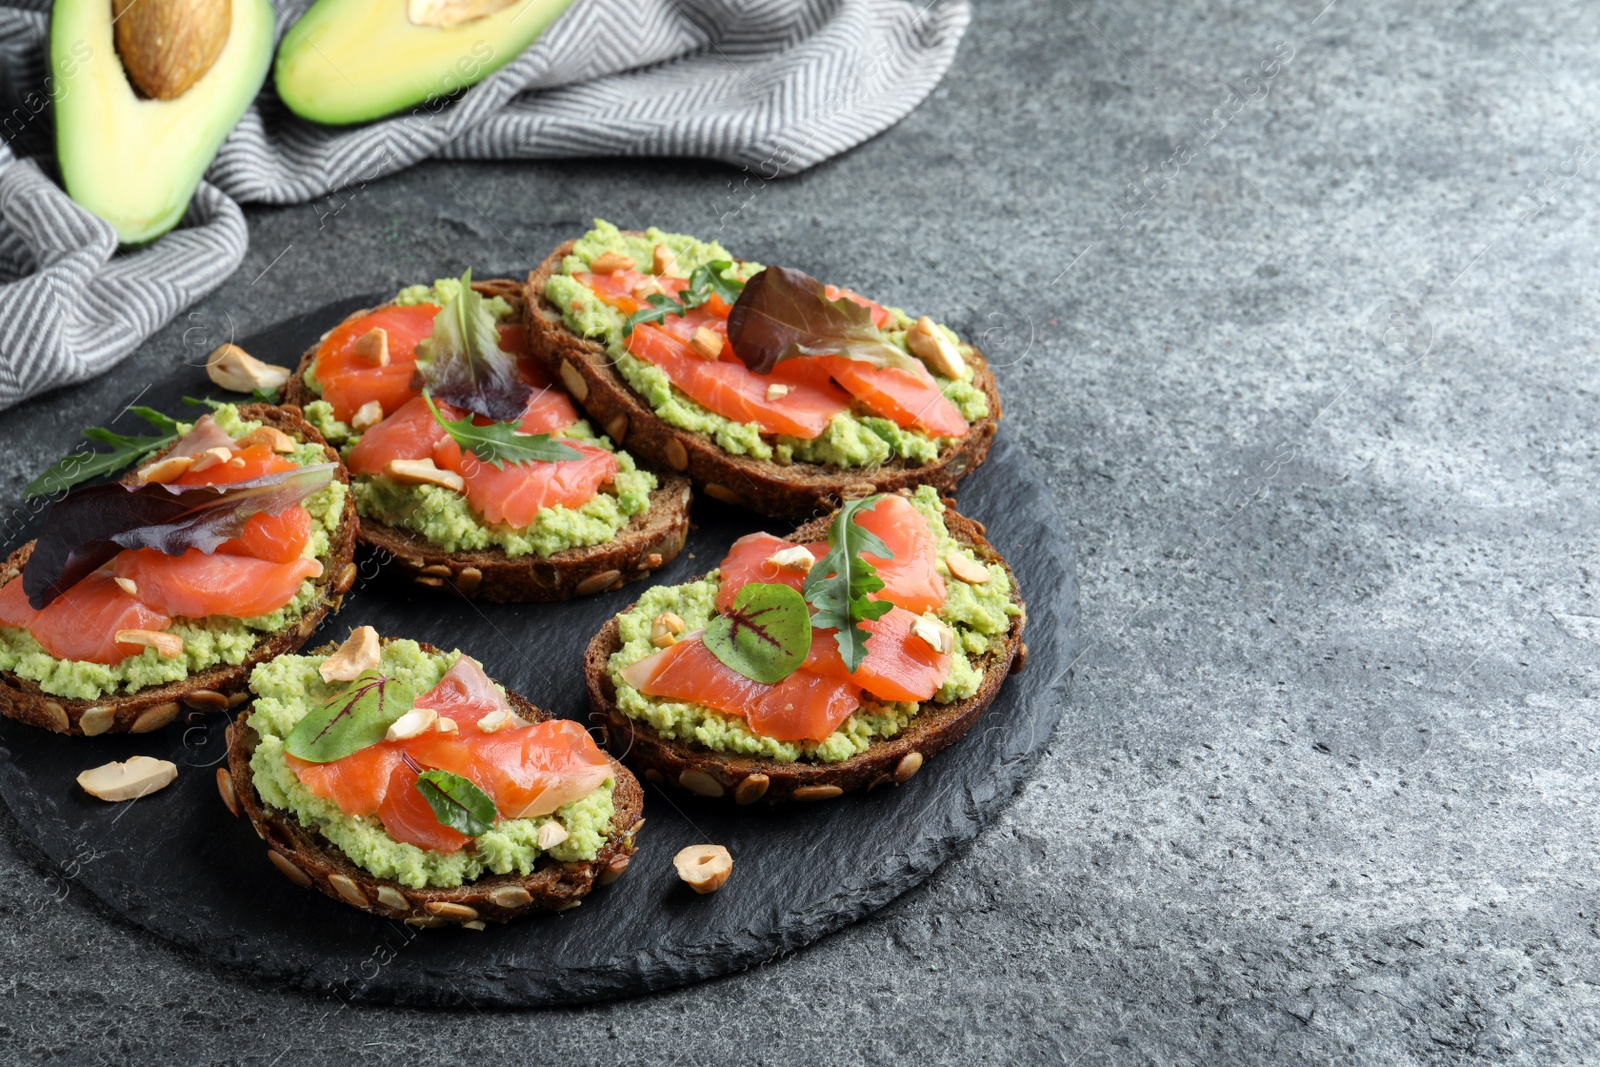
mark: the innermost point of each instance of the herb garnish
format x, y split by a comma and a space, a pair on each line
350, 721
500, 443
784, 314
704, 281
462, 363
839, 585
456, 801
765, 635
75, 468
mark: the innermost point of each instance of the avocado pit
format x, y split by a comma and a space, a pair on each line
166, 46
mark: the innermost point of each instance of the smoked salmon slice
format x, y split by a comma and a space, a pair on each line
464, 694
280, 538
618, 287
897, 666
409, 818
355, 783
735, 392
515, 493
805, 706
747, 561
533, 770
196, 584
410, 432
81, 623
348, 380
906, 396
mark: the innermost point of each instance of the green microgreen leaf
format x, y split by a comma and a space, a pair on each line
462, 363
839, 585
765, 635
350, 721
75, 468
500, 443
457, 802
704, 281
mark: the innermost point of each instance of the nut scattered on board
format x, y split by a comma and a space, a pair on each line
422, 472
164, 470
551, 834
665, 628
929, 344
367, 416
271, 436
168, 646
372, 347
707, 343
704, 867
611, 262
413, 723
798, 559
358, 653
232, 368
967, 570
138, 777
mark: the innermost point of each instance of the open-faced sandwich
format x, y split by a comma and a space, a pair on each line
771, 389
403, 781
224, 549
804, 667
471, 470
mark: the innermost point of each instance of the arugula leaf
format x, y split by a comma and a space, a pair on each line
784, 314
87, 527
462, 363
840, 583
705, 281
75, 468
765, 635
500, 443
350, 721
457, 802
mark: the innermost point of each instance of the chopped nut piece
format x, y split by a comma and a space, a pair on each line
967, 570
237, 371
211, 457
422, 472
367, 416
929, 344
647, 288
777, 391
665, 628
139, 777
662, 261
413, 723
551, 834
610, 263
798, 558
707, 343
372, 347
496, 721
704, 867
358, 653
169, 646
446, 725
164, 470
127, 585
270, 436
936, 635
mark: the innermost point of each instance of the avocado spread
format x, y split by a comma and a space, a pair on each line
852, 439
977, 614
206, 642
446, 519
287, 688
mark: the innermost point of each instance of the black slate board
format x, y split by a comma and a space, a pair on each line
179, 866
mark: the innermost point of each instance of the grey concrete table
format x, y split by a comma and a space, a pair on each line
1297, 305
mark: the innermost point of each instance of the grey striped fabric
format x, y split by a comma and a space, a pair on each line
774, 86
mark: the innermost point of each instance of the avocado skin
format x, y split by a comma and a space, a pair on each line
136, 162
350, 61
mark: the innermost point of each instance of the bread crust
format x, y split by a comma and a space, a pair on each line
749, 779
795, 491
311, 861
215, 688
651, 539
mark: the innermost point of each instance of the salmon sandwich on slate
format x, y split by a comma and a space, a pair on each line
226, 547
805, 667
401, 780
471, 469
771, 389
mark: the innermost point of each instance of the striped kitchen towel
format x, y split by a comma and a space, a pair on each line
775, 86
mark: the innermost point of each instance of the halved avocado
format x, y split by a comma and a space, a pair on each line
133, 161
349, 61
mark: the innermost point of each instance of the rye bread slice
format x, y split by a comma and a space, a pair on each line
217, 687
652, 539
798, 490
310, 860
749, 779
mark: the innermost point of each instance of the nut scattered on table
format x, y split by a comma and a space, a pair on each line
138, 777
704, 867
232, 368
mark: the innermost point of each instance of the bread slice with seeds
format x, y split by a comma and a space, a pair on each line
794, 490
650, 540
310, 860
748, 779
217, 687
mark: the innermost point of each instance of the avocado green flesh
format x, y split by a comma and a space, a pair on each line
350, 61
136, 162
